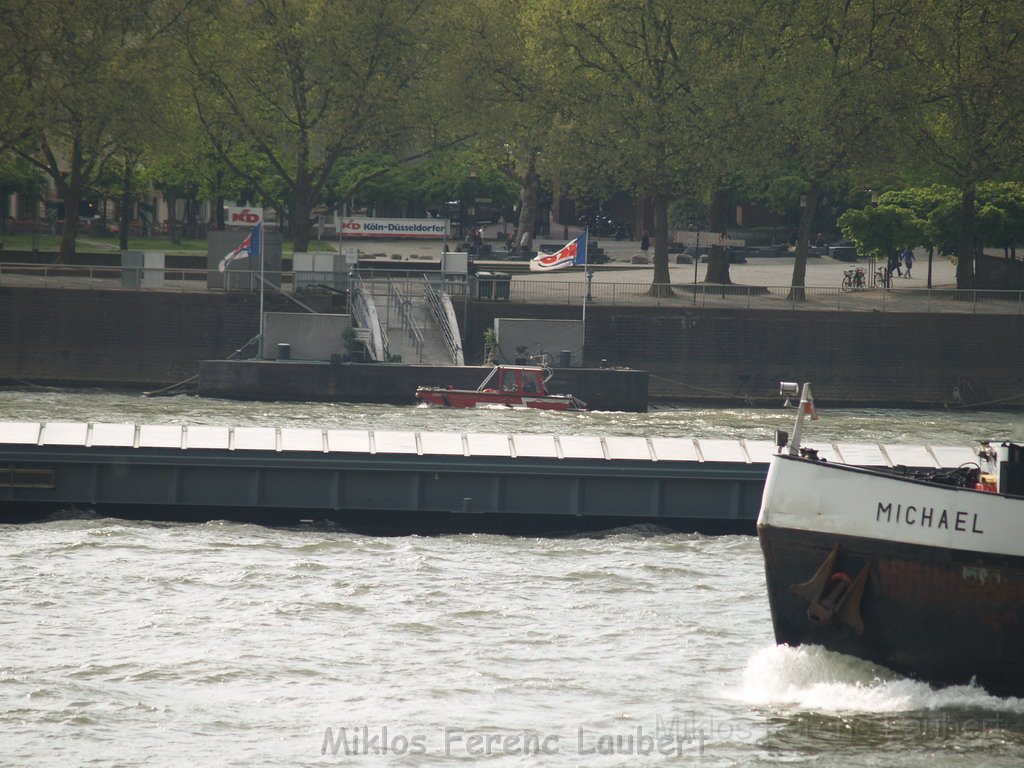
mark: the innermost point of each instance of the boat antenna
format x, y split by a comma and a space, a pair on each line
790, 389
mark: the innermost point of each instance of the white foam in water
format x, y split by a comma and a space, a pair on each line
812, 678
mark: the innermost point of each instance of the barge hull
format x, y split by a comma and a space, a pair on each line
400, 482
911, 593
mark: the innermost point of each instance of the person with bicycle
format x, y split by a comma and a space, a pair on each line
893, 266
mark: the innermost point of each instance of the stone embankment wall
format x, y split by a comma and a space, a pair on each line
716, 356
118, 337
739, 355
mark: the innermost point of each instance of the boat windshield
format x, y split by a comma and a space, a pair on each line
508, 381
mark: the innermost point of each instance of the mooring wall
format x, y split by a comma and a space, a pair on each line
714, 355
729, 355
118, 337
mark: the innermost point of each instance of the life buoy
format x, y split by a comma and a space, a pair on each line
840, 576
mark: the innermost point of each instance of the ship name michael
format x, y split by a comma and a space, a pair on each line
928, 517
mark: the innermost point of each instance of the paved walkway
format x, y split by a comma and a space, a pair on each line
822, 272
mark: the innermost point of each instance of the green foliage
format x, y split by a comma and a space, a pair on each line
783, 193
1003, 225
17, 177
879, 230
689, 213
413, 103
313, 83
348, 338
999, 212
80, 82
373, 179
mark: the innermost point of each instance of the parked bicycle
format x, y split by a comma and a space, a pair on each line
541, 358
853, 279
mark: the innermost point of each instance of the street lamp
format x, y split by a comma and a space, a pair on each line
470, 217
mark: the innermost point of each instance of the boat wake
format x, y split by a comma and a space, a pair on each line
811, 678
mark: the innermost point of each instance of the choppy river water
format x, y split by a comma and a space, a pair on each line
224, 644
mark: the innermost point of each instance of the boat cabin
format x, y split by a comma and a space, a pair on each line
517, 379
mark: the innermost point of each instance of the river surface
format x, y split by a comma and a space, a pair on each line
128, 644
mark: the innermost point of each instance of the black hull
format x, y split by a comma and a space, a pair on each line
944, 616
376, 522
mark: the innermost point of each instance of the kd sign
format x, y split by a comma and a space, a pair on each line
246, 217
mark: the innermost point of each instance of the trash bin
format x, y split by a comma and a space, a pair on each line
565, 359
502, 285
284, 351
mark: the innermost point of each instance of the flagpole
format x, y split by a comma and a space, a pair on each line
261, 289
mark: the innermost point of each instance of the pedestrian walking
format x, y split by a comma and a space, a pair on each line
645, 242
894, 264
891, 266
908, 259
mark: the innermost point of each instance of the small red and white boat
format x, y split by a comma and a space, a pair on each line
514, 386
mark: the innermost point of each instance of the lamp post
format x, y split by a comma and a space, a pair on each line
871, 259
471, 211
696, 258
35, 226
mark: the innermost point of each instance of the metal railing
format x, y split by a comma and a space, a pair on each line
443, 312
683, 295
533, 291
364, 315
398, 295
119, 278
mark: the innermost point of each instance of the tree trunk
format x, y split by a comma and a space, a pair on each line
172, 219
218, 213
299, 219
67, 240
72, 200
661, 286
931, 254
191, 231
530, 191
720, 212
718, 266
797, 292
965, 246
126, 201
70, 187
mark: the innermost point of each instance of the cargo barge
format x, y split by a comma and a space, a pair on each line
394, 482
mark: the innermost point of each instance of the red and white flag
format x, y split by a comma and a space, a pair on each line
571, 255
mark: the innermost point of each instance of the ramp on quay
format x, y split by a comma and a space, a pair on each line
391, 482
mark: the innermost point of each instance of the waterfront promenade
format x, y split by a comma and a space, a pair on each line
759, 283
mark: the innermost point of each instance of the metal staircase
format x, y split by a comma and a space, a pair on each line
416, 319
